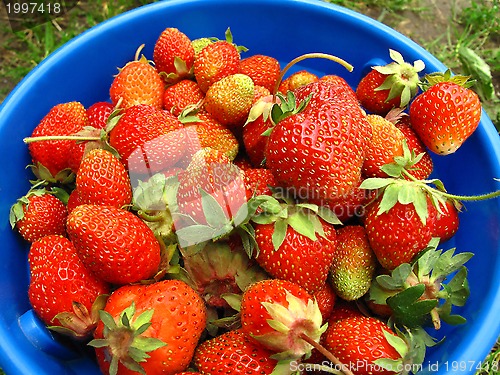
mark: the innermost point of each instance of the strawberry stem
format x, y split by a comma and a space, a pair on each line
60, 138
320, 348
327, 56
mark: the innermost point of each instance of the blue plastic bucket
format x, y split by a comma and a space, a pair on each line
82, 70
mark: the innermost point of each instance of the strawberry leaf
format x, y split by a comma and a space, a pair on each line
407, 307
279, 233
389, 199
300, 221
214, 214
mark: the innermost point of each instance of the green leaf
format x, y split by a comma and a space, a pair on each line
328, 215
407, 193
107, 319
300, 221
449, 263
375, 183
408, 309
397, 343
214, 213
458, 288
388, 364
401, 273
148, 344
478, 68
420, 204
279, 233
389, 199
194, 234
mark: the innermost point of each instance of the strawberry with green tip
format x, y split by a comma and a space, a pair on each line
446, 113
389, 86
181, 95
114, 243
62, 291
229, 99
145, 329
354, 263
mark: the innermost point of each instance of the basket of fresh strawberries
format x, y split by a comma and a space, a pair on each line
251, 187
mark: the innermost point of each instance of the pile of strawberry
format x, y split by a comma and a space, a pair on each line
215, 217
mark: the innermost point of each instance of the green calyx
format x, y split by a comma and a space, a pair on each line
125, 341
432, 79
402, 78
416, 292
402, 187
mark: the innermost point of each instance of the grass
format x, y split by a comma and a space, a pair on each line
467, 42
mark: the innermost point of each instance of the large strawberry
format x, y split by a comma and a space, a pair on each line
149, 329
329, 137
114, 243
389, 86
62, 290
361, 343
52, 156
103, 180
446, 113
138, 82
148, 139
232, 351
38, 214
173, 54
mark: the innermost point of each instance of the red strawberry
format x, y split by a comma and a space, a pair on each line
446, 114
212, 173
447, 221
215, 61
342, 310
385, 144
114, 243
299, 258
258, 181
73, 201
326, 298
62, 290
103, 180
63, 119
231, 352
341, 83
399, 233
208, 132
389, 86
163, 324
181, 95
138, 82
98, 114
38, 214
173, 54
229, 99
353, 263
262, 69
259, 92
359, 341
424, 167
141, 137
273, 303
329, 136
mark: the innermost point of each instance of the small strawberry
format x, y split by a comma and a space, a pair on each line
258, 181
229, 99
145, 329
353, 263
363, 344
143, 140
181, 95
447, 221
446, 113
173, 54
326, 298
217, 60
262, 69
114, 243
73, 201
259, 92
50, 157
205, 132
296, 80
38, 214
138, 82
103, 180
98, 114
231, 352
385, 144
389, 86
269, 304
62, 290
